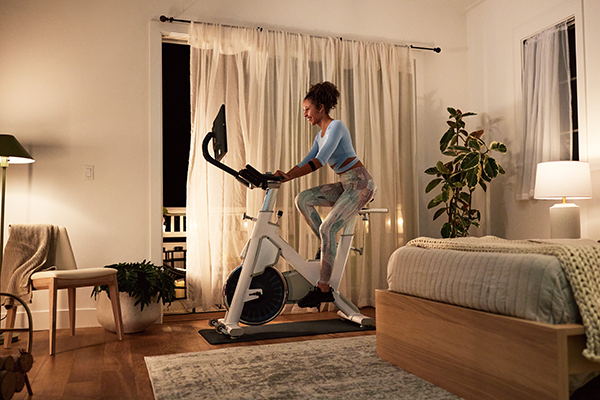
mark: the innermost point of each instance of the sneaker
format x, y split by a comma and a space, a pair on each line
315, 297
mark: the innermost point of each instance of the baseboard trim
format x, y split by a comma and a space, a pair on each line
84, 318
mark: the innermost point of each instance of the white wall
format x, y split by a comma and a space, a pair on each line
592, 61
494, 31
76, 84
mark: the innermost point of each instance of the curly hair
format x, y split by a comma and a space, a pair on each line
324, 93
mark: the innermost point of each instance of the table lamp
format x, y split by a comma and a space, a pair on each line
11, 152
562, 180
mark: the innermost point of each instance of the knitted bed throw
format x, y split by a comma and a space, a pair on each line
579, 258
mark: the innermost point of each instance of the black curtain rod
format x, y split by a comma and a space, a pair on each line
436, 49
171, 19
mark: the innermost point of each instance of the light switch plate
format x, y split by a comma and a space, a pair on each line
88, 172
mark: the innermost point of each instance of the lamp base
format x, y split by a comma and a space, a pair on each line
565, 222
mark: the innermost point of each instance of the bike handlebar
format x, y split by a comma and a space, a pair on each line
249, 176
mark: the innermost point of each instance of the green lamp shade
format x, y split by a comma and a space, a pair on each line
11, 148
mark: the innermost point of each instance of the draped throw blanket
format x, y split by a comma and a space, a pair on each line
29, 249
579, 258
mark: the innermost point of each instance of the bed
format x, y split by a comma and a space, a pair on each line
485, 324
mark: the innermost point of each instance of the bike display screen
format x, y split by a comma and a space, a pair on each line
219, 131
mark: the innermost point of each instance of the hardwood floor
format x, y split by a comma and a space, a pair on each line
93, 364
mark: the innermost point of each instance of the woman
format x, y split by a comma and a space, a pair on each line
352, 192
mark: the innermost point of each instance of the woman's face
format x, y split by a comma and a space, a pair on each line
311, 113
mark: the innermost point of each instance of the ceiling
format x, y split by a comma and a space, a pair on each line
463, 4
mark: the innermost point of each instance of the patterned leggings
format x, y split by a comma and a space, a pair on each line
346, 197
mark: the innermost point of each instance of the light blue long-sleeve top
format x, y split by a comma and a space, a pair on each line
334, 147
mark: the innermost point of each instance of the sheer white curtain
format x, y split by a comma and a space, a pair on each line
262, 78
546, 104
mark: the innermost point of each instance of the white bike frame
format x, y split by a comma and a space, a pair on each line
264, 249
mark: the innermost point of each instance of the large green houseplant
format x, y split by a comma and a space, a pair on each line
471, 165
142, 286
143, 281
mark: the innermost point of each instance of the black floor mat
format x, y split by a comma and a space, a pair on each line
285, 330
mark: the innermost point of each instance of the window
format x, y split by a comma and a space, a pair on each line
176, 122
549, 98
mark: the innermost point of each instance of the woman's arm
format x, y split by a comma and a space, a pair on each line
306, 166
297, 171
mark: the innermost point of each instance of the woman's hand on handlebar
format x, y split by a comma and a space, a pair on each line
282, 174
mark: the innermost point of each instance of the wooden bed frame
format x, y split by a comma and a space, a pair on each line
479, 355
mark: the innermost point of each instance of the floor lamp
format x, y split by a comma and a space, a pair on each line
562, 180
11, 152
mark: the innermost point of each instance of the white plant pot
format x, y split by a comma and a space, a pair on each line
134, 320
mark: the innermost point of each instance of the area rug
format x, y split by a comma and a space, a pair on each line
285, 329
346, 368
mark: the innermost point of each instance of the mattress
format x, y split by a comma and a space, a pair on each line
529, 286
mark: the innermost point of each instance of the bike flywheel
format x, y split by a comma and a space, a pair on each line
269, 303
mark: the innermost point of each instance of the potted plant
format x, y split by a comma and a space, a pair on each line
142, 286
471, 165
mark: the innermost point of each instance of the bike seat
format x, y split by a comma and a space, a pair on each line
366, 207
367, 210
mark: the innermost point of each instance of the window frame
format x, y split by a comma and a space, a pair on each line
159, 32
572, 10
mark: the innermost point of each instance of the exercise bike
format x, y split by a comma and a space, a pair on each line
256, 292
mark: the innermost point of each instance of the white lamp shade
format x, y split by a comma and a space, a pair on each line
563, 179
